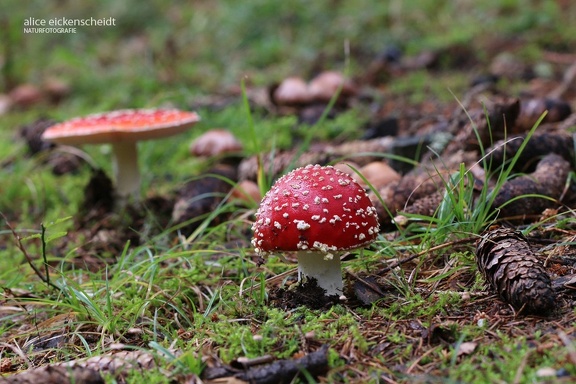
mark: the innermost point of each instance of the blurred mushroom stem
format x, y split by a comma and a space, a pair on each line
126, 172
324, 267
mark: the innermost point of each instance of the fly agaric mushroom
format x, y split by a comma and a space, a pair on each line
122, 129
318, 212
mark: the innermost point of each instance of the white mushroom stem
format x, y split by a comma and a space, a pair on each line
126, 172
325, 268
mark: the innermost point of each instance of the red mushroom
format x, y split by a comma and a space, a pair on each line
123, 129
317, 212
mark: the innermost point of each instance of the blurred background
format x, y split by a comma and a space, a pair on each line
411, 59
176, 51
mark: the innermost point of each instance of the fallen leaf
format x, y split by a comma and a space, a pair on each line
467, 348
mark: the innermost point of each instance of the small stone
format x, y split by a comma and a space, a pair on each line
310, 335
546, 372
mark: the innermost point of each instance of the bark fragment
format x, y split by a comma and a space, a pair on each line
278, 372
513, 270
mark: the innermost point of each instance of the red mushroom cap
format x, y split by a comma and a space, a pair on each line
121, 125
315, 208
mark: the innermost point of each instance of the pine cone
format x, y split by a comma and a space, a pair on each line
549, 179
508, 263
